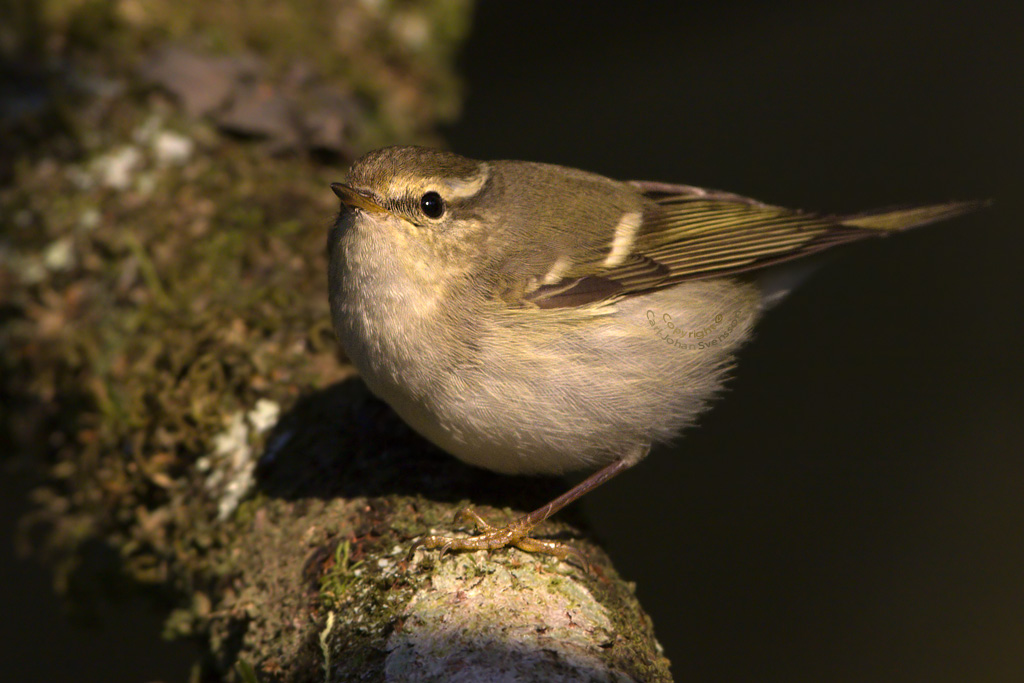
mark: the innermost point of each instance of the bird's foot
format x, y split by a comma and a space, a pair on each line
516, 533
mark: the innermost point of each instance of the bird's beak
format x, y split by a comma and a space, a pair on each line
354, 198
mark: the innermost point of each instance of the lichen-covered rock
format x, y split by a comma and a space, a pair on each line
481, 620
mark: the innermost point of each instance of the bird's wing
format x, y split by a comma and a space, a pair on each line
689, 233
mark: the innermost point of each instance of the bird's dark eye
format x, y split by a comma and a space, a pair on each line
432, 205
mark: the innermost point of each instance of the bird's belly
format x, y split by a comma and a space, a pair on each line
544, 394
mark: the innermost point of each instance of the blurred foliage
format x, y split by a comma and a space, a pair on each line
394, 57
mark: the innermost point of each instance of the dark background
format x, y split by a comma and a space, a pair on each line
852, 510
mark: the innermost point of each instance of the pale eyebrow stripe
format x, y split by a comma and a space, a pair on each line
464, 188
625, 233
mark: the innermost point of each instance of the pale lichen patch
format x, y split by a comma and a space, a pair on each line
232, 465
478, 620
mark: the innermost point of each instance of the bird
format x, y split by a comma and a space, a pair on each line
531, 318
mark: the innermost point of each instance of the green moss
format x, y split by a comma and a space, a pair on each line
245, 672
336, 581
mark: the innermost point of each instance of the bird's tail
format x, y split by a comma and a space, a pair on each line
777, 281
902, 218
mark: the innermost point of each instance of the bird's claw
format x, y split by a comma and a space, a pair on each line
516, 533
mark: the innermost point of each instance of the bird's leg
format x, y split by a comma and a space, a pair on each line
517, 532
